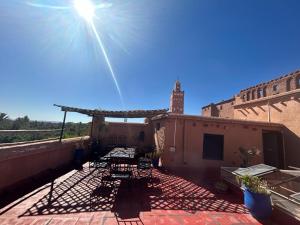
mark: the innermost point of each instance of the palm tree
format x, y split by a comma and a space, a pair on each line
3, 116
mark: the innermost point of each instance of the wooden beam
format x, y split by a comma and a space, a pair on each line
63, 127
115, 114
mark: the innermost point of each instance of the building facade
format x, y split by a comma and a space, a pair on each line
177, 99
275, 101
264, 117
206, 143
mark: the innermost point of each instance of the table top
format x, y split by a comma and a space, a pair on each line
127, 153
256, 170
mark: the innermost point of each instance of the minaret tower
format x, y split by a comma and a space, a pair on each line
177, 99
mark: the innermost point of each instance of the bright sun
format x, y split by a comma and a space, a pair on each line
85, 9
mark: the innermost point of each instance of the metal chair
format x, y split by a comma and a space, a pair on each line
98, 168
120, 169
144, 167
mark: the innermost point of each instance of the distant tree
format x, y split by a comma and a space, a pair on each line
21, 123
71, 129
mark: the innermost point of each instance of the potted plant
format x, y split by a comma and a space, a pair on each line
257, 196
247, 154
154, 156
79, 154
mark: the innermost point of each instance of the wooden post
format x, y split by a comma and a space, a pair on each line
63, 127
269, 112
91, 133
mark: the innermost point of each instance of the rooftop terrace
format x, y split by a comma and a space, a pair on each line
39, 186
74, 198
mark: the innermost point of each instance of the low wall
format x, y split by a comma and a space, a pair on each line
20, 162
119, 133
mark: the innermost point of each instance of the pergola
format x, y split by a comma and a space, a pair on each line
109, 113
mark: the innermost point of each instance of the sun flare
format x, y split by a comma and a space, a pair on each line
85, 9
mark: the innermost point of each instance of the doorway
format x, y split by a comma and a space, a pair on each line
273, 148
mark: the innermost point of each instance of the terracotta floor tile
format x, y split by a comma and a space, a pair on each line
164, 220
110, 221
168, 199
11, 221
56, 221
198, 220
41, 221
70, 221
25, 221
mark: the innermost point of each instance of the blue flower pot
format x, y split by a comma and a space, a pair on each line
259, 205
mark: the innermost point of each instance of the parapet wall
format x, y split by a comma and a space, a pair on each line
222, 109
282, 84
20, 162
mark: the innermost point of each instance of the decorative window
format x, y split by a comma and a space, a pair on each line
288, 84
248, 96
253, 94
260, 93
275, 88
265, 91
213, 146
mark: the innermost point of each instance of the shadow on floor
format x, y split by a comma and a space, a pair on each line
80, 193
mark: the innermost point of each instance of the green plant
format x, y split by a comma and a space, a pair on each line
255, 184
247, 154
154, 155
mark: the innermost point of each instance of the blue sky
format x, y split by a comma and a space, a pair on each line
215, 47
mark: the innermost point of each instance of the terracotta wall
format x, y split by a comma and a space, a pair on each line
20, 162
276, 101
279, 85
226, 109
113, 133
189, 140
284, 109
210, 110
222, 109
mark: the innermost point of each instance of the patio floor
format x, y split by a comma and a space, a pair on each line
74, 198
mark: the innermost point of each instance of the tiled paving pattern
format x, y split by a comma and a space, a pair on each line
75, 198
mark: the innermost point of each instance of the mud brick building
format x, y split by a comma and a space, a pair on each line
275, 101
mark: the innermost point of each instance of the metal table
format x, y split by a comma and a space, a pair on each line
121, 153
121, 161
